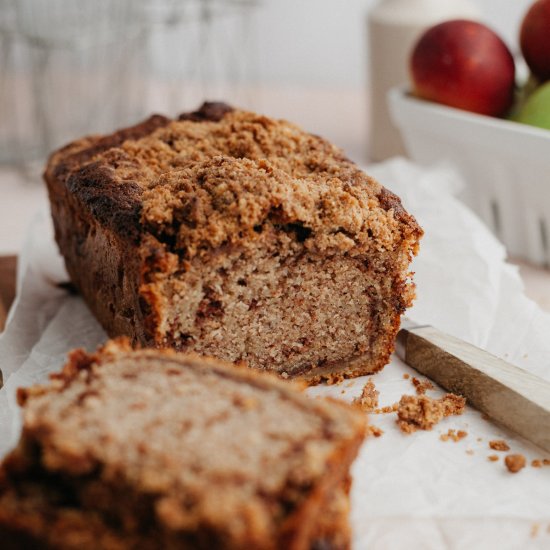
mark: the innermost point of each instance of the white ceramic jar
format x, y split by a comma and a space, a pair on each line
394, 26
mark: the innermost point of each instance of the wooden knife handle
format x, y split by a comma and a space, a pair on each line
516, 398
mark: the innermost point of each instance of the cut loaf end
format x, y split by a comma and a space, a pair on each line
237, 236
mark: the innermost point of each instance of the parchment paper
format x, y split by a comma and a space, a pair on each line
409, 491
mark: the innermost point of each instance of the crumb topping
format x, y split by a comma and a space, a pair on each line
419, 412
204, 182
225, 200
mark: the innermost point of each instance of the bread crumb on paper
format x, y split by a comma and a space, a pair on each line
420, 412
454, 435
499, 445
368, 400
515, 463
422, 386
492, 458
406, 376
375, 430
387, 409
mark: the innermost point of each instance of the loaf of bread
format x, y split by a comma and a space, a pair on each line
158, 450
236, 236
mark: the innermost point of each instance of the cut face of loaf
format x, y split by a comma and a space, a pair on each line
237, 236
146, 449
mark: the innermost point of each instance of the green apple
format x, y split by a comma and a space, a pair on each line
536, 109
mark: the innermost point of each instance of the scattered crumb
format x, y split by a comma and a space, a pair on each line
469, 451
536, 463
535, 530
548, 528
422, 386
453, 405
406, 376
420, 412
499, 445
343, 391
514, 463
485, 416
479, 439
368, 400
350, 384
374, 430
387, 409
546, 462
492, 458
454, 435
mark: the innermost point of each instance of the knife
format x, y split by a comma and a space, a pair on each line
512, 396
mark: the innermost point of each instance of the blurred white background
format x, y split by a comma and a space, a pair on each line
321, 46
323, 42
306, 61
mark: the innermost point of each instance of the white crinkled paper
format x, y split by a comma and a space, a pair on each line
410, 491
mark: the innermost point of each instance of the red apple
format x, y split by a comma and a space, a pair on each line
534, 39
464, 64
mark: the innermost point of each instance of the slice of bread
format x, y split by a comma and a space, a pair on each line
148, 449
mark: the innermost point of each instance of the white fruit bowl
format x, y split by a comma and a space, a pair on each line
506, 167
